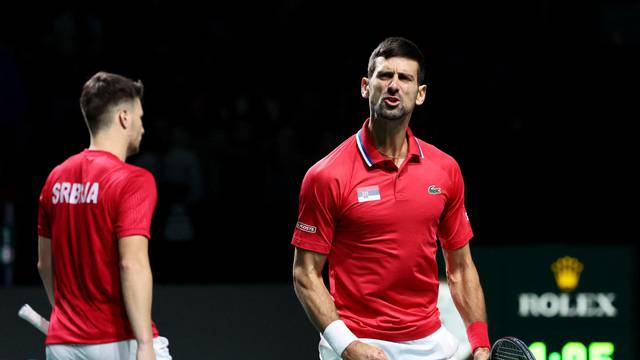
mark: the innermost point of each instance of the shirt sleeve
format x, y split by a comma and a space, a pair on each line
136, 205
44, 224
316, 213
454, 230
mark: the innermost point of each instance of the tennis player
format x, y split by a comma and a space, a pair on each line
93, 230
375, 208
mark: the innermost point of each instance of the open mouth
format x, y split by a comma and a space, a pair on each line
391, 100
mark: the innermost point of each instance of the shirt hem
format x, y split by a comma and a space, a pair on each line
309, 246
409, 335
459, 243
141, 232
63, 341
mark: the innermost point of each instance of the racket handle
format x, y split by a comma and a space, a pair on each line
30, 315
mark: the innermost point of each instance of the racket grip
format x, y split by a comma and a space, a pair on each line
30, 315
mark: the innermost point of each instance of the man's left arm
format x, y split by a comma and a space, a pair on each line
45, 266
464, 282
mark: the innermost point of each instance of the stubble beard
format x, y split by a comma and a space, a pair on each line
134, 147
380, 111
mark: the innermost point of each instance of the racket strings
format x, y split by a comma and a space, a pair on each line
507, 357
508, 351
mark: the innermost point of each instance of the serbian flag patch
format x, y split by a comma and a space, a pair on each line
368, 193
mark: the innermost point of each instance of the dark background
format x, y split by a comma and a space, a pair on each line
535, 99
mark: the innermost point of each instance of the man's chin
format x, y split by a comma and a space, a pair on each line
133, 150
391, 115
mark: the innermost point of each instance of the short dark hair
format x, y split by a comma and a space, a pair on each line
101, 92
397, 47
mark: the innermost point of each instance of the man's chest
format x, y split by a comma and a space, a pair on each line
414, 197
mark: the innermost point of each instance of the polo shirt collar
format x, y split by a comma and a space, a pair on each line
371, 155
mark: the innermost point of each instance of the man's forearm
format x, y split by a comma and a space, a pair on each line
45, 266
137, 291
319, 306
315, 299
321, 309
46, 275
467, 294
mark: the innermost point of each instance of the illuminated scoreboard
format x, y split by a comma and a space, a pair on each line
566, 302
575, 351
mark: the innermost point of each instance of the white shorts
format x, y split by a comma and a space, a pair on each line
120, 350
440, 345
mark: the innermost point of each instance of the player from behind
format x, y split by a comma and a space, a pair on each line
93, 230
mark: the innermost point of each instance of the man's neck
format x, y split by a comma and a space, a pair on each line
105, 142
390, 137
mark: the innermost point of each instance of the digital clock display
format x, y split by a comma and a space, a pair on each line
574, 350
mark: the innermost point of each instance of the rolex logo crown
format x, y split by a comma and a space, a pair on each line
567, 271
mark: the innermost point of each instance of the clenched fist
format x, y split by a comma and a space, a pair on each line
360, 351
481, 354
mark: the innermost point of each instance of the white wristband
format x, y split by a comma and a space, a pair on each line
338, 336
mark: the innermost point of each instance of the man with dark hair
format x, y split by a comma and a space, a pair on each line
93, 229
375, 208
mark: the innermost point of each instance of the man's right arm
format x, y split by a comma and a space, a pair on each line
318, 304
137, 289
45, 266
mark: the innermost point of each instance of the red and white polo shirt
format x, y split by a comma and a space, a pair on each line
379, 224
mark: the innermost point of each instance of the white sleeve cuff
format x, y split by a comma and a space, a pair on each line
338, 336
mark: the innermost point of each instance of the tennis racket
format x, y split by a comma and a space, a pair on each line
510, 348
27, 313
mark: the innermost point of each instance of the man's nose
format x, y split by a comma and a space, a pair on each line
393, 85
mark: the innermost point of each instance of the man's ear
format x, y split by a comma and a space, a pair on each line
364, 87
124, 117
422, 94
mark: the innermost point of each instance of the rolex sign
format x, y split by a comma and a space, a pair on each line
565, 302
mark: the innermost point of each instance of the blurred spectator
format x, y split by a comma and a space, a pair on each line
183, 184
12, 113
182, 166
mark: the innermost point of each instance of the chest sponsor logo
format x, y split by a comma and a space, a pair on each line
75, 193
434, 190
307, 228
368, 193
